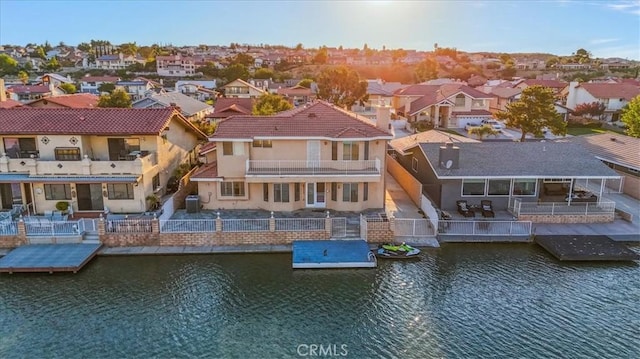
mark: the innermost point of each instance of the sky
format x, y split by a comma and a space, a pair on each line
607, 28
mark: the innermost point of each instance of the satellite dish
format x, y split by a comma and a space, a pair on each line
448, 164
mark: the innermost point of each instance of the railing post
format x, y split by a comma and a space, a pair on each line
272, 223
155, 225
328, 225
511, 228
586, 209
218, 223
553, 208
414, 226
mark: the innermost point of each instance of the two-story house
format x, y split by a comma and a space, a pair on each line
118, 62
175, 65
136, 89
91, 84
450, 105
555, 85
613, 95
242, 89
190, 108
316, 156
95, 159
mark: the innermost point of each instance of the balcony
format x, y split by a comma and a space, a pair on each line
35, 166
267, 168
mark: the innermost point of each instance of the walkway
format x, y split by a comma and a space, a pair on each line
397, 201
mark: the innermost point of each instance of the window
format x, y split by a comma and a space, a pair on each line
334, 151
120, 190
460, 100
350, 151
499, 187
67, 154
262, 143
297, 191
414, 164
57, 191
365, 191
265, 192
524, 187
232, 189
155, 182
349, 192
20, 147
478, 103
227, 148
473, 187
120, 148
281, 192
334, 191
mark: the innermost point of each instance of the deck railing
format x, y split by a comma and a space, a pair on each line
129, 226
187, 225
313, 168
8, 228
300, 224
563, 208
43, 227
484, 228
406, 227
245, 225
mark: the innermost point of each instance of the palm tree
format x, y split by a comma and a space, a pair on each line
482, 131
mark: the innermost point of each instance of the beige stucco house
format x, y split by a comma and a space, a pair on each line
316, 156
242, 89
95, 159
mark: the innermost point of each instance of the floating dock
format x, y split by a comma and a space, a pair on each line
332, 254
48, 258
586, 248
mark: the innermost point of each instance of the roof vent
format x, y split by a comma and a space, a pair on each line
312, 115
613, 139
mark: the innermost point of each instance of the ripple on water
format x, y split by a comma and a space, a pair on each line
460, 301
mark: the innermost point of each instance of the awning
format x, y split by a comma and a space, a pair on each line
26, 178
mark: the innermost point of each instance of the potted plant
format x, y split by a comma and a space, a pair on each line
62, 206
154, 202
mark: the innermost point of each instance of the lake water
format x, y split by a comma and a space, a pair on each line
460, 301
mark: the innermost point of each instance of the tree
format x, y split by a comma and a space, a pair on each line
505, 58
107, 87
269, 103
631, 117
426, 70
398, 54
321, 56
593, 109
508, 72
8, 65
481, 131
263, 74
129, 48
39, 53
236, 71
53, 64
24, 77
243, 59
305, 83
209, 69
533, 112
84, 46
341, 86
299, 47
119, 98
68, 88
582, 56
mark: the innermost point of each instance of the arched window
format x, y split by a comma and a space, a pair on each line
460, 100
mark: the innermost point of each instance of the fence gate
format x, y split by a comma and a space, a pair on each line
338, 227
405, 227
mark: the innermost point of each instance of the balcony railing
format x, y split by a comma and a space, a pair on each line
36, 166
312, 168
562, 208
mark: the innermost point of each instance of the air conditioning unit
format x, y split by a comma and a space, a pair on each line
192, 204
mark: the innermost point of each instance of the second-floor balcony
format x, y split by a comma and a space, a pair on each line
313, 168
134, 164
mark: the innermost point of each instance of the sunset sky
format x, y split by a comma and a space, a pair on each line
605, 28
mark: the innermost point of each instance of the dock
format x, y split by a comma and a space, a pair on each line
333, 254
586, 248
48, 258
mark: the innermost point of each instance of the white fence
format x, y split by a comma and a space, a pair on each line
338, 227
168, 209
8, 228
187, 225
129, 226
429, 210
300, 224
43, 227
558, 208
245, 225
405, 227
88, 225
485, 228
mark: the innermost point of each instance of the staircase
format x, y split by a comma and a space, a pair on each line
353, 228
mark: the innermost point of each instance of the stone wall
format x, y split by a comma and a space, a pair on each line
566, 218
12, 241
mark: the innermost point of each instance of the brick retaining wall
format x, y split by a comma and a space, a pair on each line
12, 241
566, 218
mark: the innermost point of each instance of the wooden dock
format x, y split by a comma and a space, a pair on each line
586, 248
48, 258
333, 254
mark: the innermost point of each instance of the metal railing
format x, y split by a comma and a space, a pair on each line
245, 225
310, 167
44, 227
338, 227
560, 208
187, 225
484, 228
300, 224
129, 226
8, 228
406, 227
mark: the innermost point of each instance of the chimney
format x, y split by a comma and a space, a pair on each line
3, 92
449, 156
383, 116
571, 96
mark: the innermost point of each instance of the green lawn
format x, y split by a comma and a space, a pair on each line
580, 131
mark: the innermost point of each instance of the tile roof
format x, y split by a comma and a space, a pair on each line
228, 106
416, 90
435, 136
85, 121
505, 92
509, 159
613, 147
18, 89
207, 171
606, 90
374, 87
10, 103
434, 94
78, 100
320, 119
188, 105
545, 83
295, 91
207, 147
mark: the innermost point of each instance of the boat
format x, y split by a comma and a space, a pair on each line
395, 251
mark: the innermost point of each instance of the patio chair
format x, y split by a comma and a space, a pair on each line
464, 209
487, 209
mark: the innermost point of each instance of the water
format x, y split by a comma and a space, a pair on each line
461, 301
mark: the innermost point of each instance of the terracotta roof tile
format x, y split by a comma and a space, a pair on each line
207, 147
604, 90
79, 100
546, 83
210, 170
81, 121
227, 106
10, 103
319, 119
29, 89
